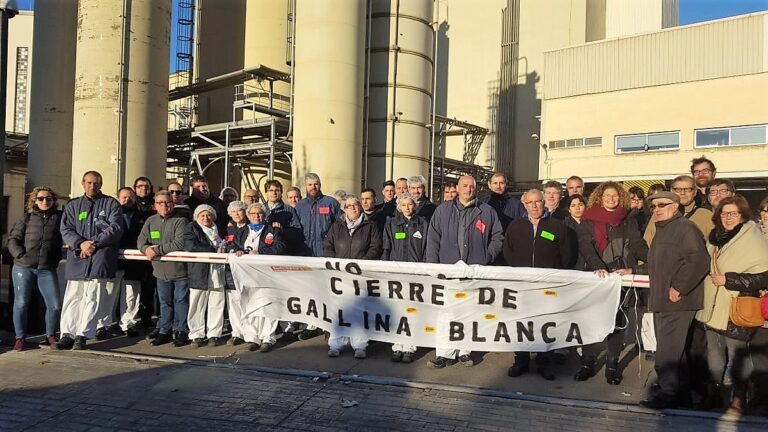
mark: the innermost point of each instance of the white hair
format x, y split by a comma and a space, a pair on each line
416, 180
311, 176
341, 194
404, 196
530, 191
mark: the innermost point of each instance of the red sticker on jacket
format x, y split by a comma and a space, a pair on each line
480, 226
269, 239
230, 237
324, 210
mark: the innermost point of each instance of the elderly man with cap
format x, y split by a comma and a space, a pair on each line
678, 262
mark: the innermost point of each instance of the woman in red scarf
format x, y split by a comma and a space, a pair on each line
609, 241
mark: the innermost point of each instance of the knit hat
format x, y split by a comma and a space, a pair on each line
202, 208
236, 205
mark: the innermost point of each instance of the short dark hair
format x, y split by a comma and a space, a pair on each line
373, 192
740, 202
95, 174
498, 174
656, 187
270, 183
388, 183
126, 188
449, 184
637, 191
722, 181
144, 179
402, 179
197, 178
575, 197
701, 160
553, 184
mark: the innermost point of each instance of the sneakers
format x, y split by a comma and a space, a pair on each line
333, 353
309, 334
181, 339
235, 341
407, 357
19, 345
517, 370
53, 342
212, 342
466, 360
132, 332
397, 356
265, 347
359, 354
196, 343
79, 343
440, 362
65, 343
153, 334
162, 338
101, 333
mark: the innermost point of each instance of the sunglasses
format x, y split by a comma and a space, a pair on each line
174, 192
659, 205
44, 198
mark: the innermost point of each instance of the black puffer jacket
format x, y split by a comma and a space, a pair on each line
405, 240
35, 240
749, 283
195, 240
364, 243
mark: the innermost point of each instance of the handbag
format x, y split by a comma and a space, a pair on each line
746, 312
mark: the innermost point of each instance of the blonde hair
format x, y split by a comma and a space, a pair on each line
31, 203
596, 197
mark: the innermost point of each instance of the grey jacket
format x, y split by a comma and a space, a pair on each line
478, 227
168, 234
98, 219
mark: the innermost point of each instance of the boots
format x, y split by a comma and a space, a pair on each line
714, 398
613, 375
587, 369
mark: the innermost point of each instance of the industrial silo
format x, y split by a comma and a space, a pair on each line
329, 92
121, 91
52, 98
400, 86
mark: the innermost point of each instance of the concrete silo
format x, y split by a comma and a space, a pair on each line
329, 92
52, 98
401, 46
121, 91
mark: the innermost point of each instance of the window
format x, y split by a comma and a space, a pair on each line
732, 136
648, 142
576, 142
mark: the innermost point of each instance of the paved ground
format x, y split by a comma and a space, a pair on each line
88, 391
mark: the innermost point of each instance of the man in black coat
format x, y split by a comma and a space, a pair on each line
389, 203
201, 194
424, 207
536, 240
508, 208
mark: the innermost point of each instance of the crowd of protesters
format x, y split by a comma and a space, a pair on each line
697, 241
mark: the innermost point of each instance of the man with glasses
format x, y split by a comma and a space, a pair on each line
177, 196
703, 171
678, 262
685, 188
541, 241
163, 233
91, 227
145, 196
719, 189
280, 215
467, 230
251, 196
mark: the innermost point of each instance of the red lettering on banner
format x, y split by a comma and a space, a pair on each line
324, 210
480, 226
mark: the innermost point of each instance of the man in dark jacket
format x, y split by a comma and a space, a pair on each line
91, 228
424, 207
145, 195
553, 194
283, 217
479, 229
201, 194
678, 262
163, 233
368, 201
507, 208
536, 240
389, 204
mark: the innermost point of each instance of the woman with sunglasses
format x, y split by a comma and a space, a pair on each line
35, 243
738, 252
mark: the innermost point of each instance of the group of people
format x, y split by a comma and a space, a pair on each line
697, 242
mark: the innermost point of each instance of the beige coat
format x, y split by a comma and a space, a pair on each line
747, 252
702, 218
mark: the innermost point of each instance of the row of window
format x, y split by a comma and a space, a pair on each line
664, 141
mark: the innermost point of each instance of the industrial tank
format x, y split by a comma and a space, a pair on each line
121, 91
52, 98
401, 46
329, 92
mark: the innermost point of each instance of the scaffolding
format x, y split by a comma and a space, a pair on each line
184, 111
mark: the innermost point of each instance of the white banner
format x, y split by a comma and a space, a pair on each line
476, 308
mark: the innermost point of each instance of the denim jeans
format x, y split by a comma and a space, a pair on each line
174, 305
24, 281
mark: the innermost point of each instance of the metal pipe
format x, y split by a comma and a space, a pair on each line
435, 28
394, 90
226, 156
367, 102
293, 75
272, 149
122, 94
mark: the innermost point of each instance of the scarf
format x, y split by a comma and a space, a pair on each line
212, 234
601, 218
353, 225
719, 237
256, 227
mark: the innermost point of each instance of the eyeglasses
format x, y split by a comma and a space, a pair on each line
256, 213
702, 171
530, 203
765, 210
351, 206
659, 205
682, 190
714, 192
175, 192
732, 214
163, 203
251, 196
44, 198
